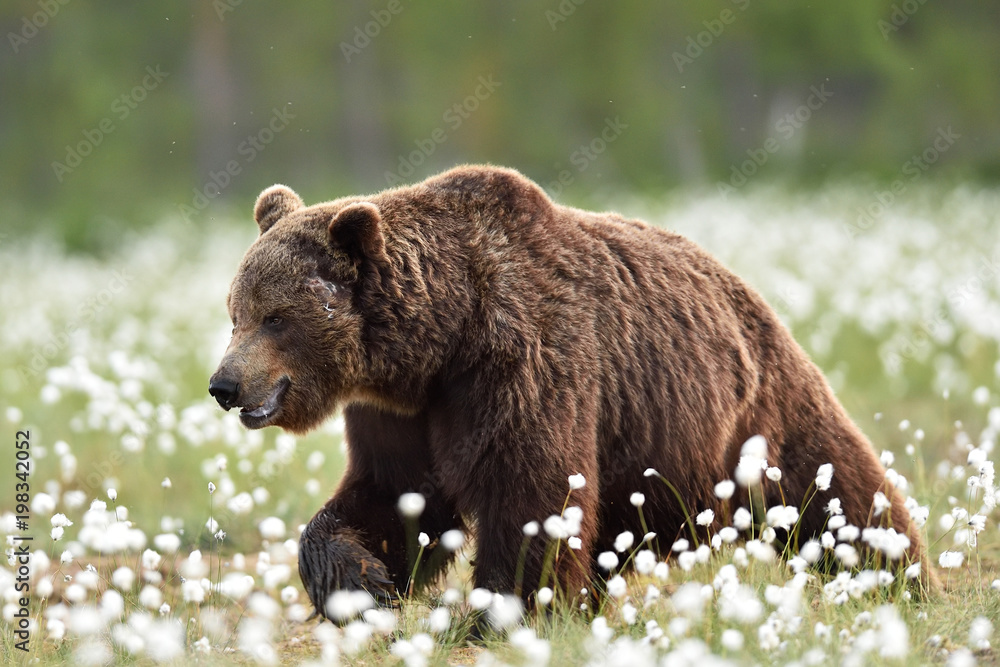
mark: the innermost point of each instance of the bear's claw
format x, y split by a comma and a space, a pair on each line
338, 562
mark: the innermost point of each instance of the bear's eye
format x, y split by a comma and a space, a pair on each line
273, 321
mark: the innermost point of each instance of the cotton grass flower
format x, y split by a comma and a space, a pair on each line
724, 489
624, 541
344, 605
637, 499
742, 519
505, 611
607, 560
617, 588
123, 578
480, 598
411, 505
732, 640
951, 559
753, 461
687, 560
452, 540
980, 632
881, 503
439, 620
824, 477
272, 528
645, 561
555, 527
576, 482
705, 518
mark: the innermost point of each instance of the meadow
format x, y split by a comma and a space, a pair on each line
164, 532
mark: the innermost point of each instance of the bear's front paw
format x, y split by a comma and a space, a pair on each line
338, 562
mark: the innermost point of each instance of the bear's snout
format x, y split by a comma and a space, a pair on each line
224, 391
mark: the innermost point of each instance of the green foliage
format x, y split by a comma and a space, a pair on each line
364, 102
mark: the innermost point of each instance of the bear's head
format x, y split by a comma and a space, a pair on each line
297, 347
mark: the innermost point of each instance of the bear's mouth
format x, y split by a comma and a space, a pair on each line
264, 414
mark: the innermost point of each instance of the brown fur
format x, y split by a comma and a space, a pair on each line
487, 343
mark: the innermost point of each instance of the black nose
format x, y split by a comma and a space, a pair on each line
224, 391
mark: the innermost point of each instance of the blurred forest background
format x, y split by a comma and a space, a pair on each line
118, 115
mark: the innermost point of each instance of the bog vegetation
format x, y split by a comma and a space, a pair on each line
165, 532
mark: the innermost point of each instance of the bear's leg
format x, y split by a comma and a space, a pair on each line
507, 498
857, 477
500, 559
358, 540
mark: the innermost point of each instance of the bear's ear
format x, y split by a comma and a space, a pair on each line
357, 229
273, 204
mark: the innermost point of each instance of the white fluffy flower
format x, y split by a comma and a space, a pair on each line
555, 528
742, 519
607, 560
732, 640
951, 559
617, 588
577, 481
637, 499
753, 460
272, 528
452, 540
705, 518
480, 598
624, 541
411, 505
881, 503
724, 489
645, 561
824, 476
782, 516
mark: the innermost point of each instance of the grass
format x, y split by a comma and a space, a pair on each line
106, 363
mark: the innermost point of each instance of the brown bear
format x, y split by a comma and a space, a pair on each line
485, 344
